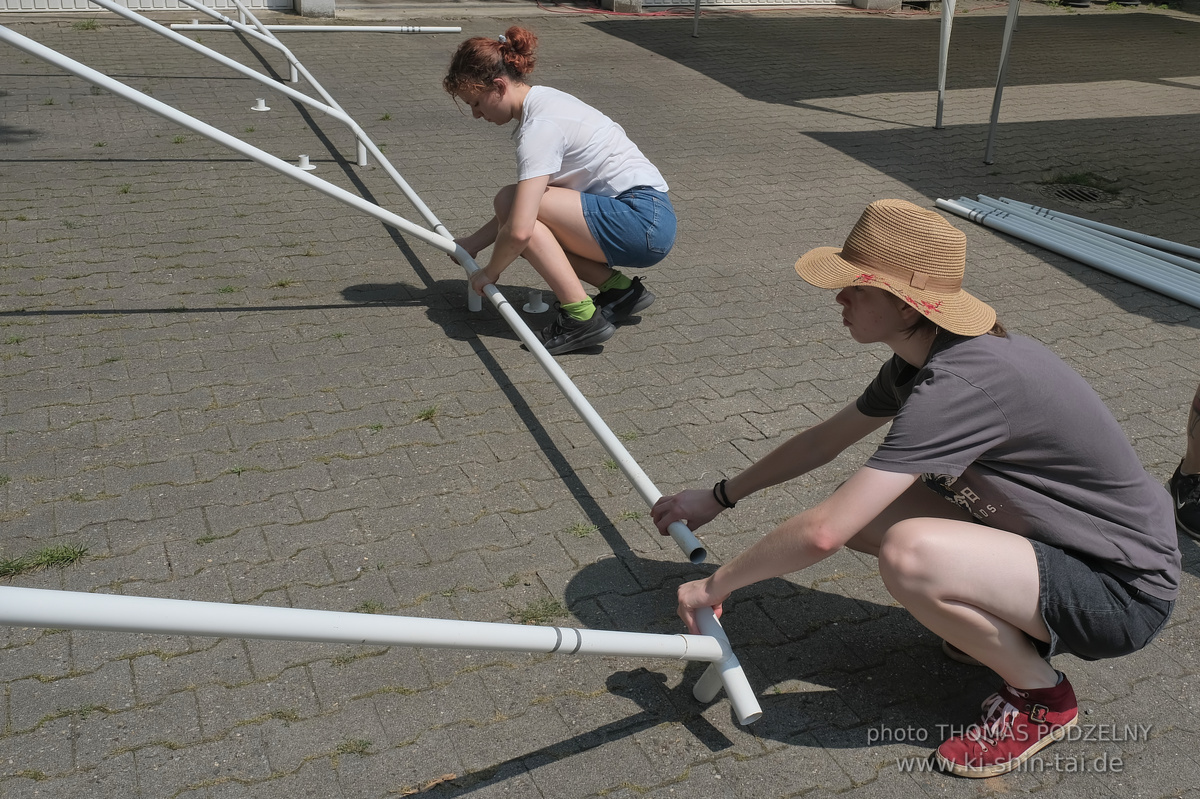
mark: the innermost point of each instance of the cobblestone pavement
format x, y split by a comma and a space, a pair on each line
228, 387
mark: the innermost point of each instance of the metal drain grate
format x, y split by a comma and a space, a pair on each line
1082, 194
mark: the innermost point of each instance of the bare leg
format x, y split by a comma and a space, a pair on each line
1191, 460
544, 253
973, 585
561, 215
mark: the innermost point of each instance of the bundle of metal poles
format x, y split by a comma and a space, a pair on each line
1157, 264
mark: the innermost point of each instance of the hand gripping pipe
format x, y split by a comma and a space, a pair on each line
679, 532
32, 607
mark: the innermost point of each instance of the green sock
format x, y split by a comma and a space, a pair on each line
617, 281
579, 310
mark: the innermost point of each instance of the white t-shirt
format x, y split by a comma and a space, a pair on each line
578, 147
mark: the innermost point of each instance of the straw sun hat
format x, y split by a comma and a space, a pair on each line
912, 252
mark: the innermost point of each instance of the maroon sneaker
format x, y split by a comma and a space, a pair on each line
1015, 726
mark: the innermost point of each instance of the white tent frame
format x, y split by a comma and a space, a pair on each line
79, 610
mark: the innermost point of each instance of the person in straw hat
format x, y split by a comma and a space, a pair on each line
1054, 538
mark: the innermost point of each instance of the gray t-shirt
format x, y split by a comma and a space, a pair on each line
1015, 436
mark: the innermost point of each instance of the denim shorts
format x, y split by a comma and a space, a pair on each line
1090, 613
635, 229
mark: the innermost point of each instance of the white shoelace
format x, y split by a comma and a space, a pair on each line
998, 717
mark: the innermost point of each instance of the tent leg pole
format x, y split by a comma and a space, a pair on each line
1010, 24
943, 58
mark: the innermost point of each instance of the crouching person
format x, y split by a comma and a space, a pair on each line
1009, 513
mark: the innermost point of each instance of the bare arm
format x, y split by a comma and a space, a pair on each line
481, 239
800, 541
512, 235
800, 454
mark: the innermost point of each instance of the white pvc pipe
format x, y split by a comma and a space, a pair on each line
684, 538
74, 610
726, 672
679, 532
332, 109
1092, 240
172, 114
324, 28
1163, 280
1010, 25
1140, 238
1079, 242
242, 69
33, 607
1115, 244
943, 57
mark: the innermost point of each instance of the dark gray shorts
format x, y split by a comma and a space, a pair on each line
1091, 614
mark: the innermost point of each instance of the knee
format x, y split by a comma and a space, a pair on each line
907, 557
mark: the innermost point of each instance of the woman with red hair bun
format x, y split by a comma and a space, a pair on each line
586, 199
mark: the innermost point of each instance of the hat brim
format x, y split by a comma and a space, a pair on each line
959, 312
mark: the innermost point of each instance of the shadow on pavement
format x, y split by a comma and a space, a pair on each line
826, 667
790, 60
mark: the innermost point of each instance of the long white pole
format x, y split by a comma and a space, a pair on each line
1140, 238
1095, 240
1010, 25
33, 607
299, 96
679, 532
1167, 279
943, 57
334, 110
1108, 241
1075, 242
196, 26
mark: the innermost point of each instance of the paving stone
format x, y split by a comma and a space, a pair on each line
214, 379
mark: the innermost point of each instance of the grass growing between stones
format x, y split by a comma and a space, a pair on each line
59, 557
357, 746
540, 611
582, 529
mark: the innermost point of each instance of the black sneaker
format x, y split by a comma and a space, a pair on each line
566, 334
1185, 491
617, 305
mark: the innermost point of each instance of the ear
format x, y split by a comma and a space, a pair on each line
909, 313
500, 86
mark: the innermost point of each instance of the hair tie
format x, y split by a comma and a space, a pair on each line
502, 39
